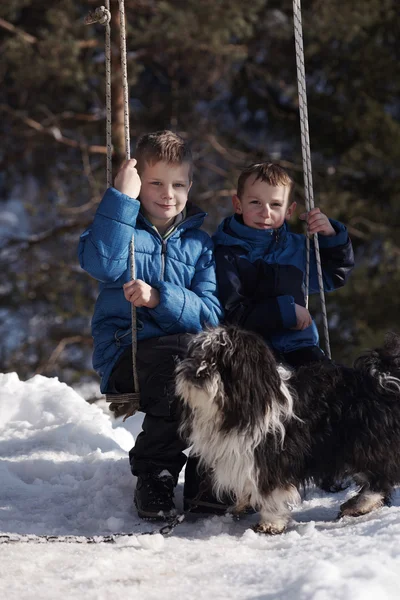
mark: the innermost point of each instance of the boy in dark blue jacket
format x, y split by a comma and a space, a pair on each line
174, 292
261, 265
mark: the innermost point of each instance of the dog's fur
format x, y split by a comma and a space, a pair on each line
264, 430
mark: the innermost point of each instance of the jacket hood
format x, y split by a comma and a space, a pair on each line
233, 232
193, 220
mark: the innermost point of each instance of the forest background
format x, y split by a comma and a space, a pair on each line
222, 74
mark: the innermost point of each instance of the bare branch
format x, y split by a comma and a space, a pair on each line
69, 115
30, 39
95, 199
356, 233
376, 227
54, 132
37, 238
212, 167
88, 43
234, 156
228, 49
19, 32
78, 210
216, 194
59, 349
87, 169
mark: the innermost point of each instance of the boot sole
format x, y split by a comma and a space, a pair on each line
160, 515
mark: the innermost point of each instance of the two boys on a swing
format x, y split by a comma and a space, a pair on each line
256, 281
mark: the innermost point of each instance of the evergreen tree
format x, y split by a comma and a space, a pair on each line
222, 74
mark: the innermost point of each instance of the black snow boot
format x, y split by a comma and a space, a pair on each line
198, 496
154, 495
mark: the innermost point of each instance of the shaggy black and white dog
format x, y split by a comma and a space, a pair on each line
264, 431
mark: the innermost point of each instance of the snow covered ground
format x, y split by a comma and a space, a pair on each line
64, 470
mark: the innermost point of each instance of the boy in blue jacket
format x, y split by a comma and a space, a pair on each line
261, 264
174, 292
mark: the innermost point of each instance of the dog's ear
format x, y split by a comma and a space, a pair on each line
391, 347
390, 354
384, 360
367, 361
250, 377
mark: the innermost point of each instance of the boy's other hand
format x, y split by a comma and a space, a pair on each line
303, 317
127, 180
317, 222
140, 293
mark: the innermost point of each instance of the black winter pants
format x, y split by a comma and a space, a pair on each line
159, 445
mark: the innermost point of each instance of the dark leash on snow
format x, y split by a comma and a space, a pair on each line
165, 530
9, 538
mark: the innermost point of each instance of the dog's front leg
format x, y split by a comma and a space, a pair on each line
274, 511
240, 506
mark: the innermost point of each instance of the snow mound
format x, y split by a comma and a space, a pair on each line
63, 467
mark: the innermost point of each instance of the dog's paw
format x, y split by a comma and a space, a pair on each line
269, 528
361, 504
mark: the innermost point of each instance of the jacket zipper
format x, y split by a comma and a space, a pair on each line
163, 253
164, 245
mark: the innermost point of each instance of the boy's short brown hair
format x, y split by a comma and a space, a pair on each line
165, 146
271, 173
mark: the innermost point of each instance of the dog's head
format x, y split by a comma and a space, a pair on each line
231, 373
384, 362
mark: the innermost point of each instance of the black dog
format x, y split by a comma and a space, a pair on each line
264, 431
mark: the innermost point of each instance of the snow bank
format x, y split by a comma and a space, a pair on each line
64, 470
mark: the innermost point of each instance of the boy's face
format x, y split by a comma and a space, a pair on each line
263, 206
164, 192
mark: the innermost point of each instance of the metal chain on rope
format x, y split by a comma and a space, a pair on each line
306, 154
102, 15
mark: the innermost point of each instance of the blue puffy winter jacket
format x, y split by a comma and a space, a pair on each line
261, 276
181, 267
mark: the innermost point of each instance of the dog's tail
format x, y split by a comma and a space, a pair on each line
383, 363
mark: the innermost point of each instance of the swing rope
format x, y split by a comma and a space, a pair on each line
307, 169
102, 15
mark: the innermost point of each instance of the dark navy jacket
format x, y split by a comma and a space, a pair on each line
261, 276
181, 267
